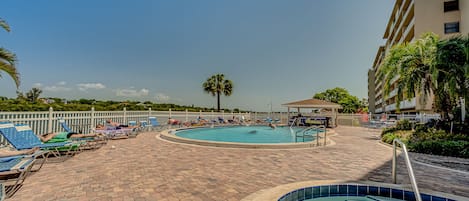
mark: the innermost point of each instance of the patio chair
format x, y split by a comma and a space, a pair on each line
21, 136
13, 172
88, 143
114, 133
154, 124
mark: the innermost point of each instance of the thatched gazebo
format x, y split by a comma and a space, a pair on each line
316, 104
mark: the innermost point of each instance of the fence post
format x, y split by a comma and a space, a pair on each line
187, 117
200, 113
222, 114
169, 112
125, 115
212, 115
149, 112
49, 125
92, 118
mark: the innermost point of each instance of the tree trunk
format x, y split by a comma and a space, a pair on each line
218, 101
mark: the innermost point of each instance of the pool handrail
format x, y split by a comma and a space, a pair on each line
409, 167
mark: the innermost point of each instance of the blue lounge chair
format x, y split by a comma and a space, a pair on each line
21, 136
13, 172
155, 124
87, 143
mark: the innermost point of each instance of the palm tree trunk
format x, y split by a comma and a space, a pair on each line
218, 101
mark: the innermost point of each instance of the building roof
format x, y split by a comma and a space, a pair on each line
312, 103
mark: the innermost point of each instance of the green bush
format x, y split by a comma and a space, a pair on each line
442, 147
404, 124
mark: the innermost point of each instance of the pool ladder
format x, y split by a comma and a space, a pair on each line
409, 167
318, 130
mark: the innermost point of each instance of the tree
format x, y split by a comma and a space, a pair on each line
332, 95
33, 94
8, 59
413, 67
453, 75
349, 103
216, 85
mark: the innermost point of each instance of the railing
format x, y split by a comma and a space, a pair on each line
409, 168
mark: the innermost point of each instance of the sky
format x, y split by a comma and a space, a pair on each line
274, 51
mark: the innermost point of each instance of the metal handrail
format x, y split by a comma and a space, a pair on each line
409, 167
293, 123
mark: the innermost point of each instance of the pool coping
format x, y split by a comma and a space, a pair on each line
277, 192
170, 136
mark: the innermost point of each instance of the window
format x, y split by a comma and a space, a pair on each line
451, 5
451, 27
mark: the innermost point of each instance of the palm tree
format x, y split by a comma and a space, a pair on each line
413, 65
453, 66
216, 85
8, 59
33, 94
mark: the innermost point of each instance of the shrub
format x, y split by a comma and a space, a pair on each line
442, 147
404, 124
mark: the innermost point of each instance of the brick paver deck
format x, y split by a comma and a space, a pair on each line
148, 168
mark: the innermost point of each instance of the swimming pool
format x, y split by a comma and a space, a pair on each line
246, 134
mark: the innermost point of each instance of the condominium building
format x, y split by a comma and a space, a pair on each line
409, 20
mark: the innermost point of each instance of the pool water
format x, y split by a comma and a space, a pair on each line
244, 134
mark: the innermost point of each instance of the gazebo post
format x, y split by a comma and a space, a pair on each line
288, 115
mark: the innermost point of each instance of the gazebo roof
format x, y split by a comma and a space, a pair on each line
312, 103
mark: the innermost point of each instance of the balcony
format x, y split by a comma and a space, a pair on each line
391, 107
392, 93
379, 110
379, 101
408, 104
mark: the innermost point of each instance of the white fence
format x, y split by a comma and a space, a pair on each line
84, 121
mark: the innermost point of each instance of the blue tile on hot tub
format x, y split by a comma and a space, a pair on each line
362, 190
343, 190
308, 193
426, 197
324, 191
316, 192
384, 192
373, 190
436, 198
334, 190
409, 196
301, 194
352, 190
398, 194
294, 195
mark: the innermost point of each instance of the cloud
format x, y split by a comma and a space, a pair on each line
58, 87
55, 88
86, 86
161, 97
132, 92
37, 85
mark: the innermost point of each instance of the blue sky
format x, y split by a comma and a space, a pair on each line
162, 51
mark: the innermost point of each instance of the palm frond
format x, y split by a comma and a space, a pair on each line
4, 25
12, 71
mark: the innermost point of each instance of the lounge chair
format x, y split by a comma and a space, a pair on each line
154, 124
13, 171
21, 136
87, 142
112, 132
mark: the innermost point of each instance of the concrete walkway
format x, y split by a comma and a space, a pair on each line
148, 168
